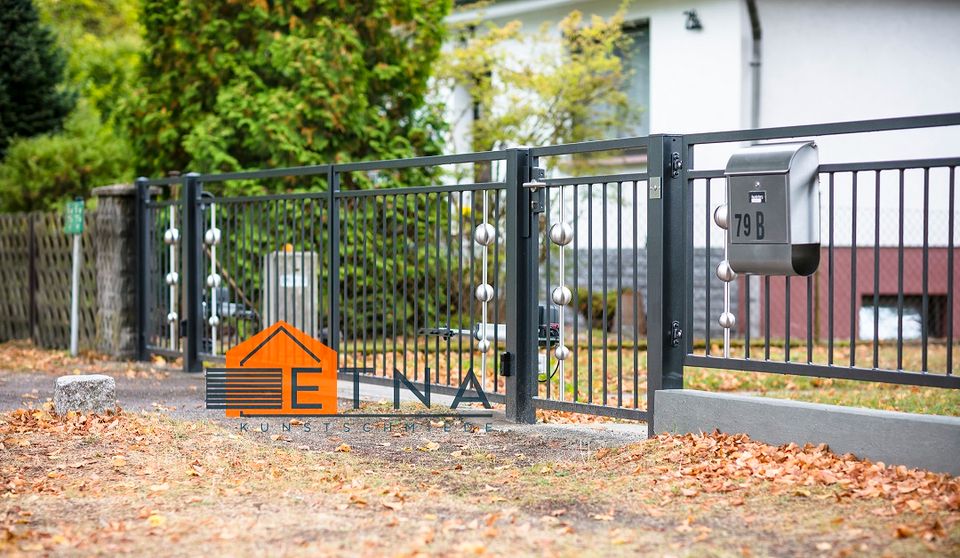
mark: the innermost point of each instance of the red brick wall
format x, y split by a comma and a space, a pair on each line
912, 285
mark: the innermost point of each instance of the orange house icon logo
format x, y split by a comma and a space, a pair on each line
280, 371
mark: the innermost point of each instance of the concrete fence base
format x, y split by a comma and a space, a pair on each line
925, 441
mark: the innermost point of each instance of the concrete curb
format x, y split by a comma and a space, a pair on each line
925, 441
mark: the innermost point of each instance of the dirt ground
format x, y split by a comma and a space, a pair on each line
166, 477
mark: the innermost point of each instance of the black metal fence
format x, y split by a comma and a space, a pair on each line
829, 324
443, 265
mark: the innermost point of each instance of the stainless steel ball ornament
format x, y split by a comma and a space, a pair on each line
484, 234
171, 236
727, 320
561, 296
561, 234
213, 280
172, 317
483, 345
721, 216
212, 236
561, 352
172, 278
214, 321
725, 273
484, 292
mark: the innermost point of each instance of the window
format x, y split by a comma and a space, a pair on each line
636, 62
912, 317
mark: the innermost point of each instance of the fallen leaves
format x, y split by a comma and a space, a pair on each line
721, 463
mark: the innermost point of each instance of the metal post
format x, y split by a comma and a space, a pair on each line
522, 267
75, 298
669, 267
333, 186
143, 270
193, 284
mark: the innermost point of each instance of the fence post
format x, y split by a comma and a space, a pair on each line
521, 289
193, 256
669, 267
142, 268
333, 328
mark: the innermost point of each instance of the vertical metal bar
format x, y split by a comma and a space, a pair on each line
406, 266
766, 317
589, 293
603, 255
448, 240
363, 204
637, 295
416, 286
278, 253
667, 268
143, 266
393, 300
576, 294
746, 334
383, 285
547, 303
950, 285
876, 271
810, 318
436, 290
522, 267
926, 267
619, 294
830, 279
900, 277
496, 286
706, 272
853, 274
461, 281
473, 272
786, 320
310, 327
333, 184
354, 280
193, 256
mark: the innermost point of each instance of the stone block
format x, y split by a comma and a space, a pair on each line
85, 393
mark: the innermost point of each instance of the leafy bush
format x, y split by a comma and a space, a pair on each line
41, 172
230, 85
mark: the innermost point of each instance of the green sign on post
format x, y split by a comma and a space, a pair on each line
74, 220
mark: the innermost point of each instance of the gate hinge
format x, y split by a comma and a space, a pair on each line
676, 334
676, 164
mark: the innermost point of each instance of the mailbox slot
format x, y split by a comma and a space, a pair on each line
773, 209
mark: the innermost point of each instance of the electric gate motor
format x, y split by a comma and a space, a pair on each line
773, 209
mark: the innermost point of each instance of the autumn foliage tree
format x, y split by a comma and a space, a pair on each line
229, 85
545, 87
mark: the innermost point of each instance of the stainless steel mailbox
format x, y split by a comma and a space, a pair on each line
773, 209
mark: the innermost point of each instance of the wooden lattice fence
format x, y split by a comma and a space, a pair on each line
35, 267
